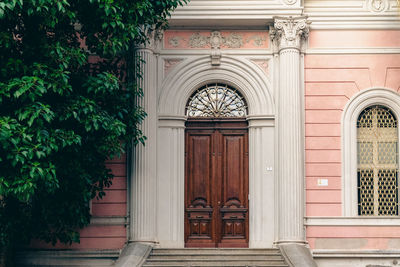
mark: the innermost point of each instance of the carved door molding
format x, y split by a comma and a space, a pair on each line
216, 183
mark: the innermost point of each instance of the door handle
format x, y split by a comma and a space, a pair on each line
219, 203
199, 217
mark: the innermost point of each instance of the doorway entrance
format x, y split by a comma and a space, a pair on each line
235, 96
216, 183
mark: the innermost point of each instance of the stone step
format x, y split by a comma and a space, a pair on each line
215, 251
160, 257
216, 263
215, 257
188, 259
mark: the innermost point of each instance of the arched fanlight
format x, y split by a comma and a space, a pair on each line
216, 100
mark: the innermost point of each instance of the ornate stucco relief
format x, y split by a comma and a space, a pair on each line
216, 39
258, 41
263, 64
174, 41
198, 41
290, 2
170, 63
378, 5
233, 40
289, 32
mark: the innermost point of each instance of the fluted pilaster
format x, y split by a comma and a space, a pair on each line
261, 183
171, 178
288, 35
144, 180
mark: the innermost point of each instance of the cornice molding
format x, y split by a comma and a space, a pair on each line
352, 50
324, 14
289, 32
233, 13
352, 221
353, 14
356, 253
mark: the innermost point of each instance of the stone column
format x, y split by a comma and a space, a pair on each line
143, 171
287, 36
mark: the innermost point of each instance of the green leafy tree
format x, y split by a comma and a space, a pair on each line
67, 104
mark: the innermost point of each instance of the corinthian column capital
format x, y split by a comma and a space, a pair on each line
289, 32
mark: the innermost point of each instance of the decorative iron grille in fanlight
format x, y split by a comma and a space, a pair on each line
216, 100
377, 141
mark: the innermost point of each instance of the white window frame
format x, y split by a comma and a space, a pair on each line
366, 98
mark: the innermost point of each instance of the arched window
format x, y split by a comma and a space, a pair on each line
377, 162
216, 100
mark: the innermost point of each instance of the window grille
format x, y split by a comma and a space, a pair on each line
216, 100
377, 145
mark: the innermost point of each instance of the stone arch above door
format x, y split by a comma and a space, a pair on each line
237, 72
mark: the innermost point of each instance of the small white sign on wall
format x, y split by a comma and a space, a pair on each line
322, 182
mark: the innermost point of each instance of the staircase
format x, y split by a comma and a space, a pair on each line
215, 257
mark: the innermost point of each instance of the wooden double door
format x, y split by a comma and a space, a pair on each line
216, 183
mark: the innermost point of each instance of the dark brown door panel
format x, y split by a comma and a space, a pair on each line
216, 183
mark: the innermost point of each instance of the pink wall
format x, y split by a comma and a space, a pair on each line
112, 205
354, 38
361, 237
331, 80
